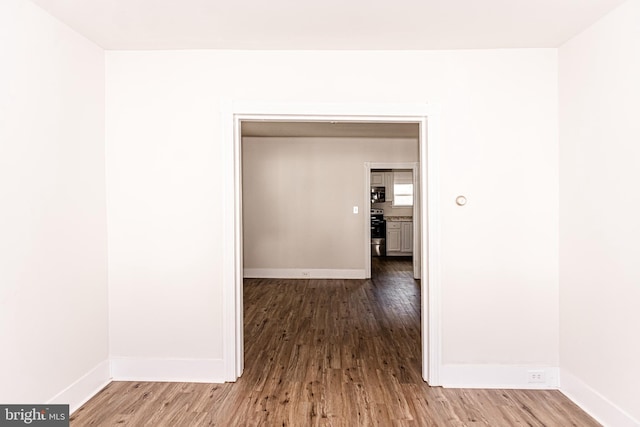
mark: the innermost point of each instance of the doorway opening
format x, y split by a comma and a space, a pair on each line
233, 272
394, 214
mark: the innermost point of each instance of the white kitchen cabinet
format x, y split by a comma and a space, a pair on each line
378, 179
406, 245
399, 238
383, 179
394, 237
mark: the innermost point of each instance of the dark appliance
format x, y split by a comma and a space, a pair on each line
377, 194
378, 233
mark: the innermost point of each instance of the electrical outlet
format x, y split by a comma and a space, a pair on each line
306, 274
535, 377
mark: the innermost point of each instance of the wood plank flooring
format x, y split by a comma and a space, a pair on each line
329, 353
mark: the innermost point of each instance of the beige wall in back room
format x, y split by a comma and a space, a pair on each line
298, 199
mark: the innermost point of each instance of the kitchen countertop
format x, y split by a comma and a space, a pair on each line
398, 218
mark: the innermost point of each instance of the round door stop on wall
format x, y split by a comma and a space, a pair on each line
461, 200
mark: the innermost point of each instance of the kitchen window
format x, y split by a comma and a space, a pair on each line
402, 189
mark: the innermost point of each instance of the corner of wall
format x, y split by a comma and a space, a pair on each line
85, 387
594, 403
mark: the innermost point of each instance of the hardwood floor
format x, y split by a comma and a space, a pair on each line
329, 353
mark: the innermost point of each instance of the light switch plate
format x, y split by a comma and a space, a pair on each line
355, 209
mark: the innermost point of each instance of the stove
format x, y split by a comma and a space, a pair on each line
378, 233
378, 224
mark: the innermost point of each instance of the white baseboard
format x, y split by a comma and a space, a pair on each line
83, 389
593, 403
302, 273
498, 376
168, 370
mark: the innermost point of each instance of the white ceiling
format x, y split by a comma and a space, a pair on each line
328, 24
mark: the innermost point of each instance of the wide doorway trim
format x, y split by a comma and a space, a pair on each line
426, 115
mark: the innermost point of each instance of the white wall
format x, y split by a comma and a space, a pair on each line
298, 199
499, 148
53, 265
599, 211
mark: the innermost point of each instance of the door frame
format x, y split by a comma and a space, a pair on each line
417, 246
426, 115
